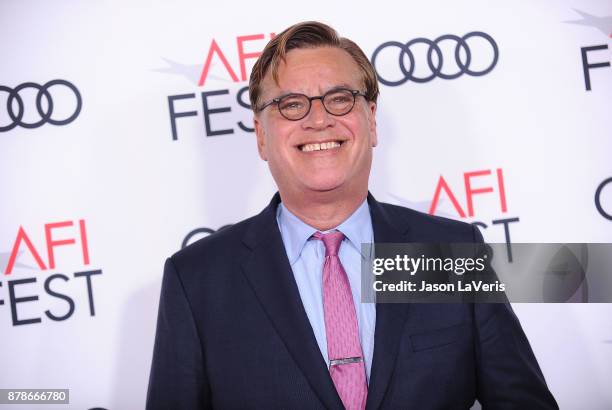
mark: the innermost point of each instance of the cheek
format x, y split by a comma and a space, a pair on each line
278, 149
362, 133
280, 139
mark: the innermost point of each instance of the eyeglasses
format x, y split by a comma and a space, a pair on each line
294, 107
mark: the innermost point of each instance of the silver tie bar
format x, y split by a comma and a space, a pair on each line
346, 360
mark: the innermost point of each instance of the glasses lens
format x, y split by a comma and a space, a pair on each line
339, 102
294, 106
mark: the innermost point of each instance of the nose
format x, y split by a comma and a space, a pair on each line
318, 117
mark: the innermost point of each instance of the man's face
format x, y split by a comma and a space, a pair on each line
287, 145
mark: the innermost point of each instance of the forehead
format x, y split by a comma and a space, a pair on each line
314, 70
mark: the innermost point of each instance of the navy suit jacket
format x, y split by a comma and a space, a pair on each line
232, 332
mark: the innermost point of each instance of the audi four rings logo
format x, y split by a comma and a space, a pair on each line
436, 65
16, 111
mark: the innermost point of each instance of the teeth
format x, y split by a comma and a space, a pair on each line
320, 147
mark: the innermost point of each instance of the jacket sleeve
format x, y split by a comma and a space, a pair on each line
177, 379
508, 373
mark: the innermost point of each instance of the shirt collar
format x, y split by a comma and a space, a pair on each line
357, 229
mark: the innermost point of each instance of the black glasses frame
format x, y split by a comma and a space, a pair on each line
277, 100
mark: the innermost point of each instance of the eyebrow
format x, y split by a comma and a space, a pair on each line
339, 85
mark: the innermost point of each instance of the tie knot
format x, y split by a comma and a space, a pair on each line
331, 241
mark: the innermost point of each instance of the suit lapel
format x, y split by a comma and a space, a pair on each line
269, 273
390, 317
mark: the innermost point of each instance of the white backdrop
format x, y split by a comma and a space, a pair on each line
140, 193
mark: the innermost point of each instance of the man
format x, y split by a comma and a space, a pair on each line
267, 313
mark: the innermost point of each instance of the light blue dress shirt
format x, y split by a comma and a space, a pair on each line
307, 255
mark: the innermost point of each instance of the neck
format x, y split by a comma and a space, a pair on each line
324, 210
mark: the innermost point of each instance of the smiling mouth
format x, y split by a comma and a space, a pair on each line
320, 146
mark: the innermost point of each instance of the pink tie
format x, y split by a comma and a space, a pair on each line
346, 367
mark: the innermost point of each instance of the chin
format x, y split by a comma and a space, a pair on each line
324, 185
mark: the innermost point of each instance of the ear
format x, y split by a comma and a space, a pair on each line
261, 138
372, 124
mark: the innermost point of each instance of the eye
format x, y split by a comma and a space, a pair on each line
291, 103
339, 98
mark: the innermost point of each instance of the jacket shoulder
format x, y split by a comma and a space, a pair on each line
425, 227
220, 246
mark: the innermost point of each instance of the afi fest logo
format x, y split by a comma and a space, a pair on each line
594, 57
222, 82
48, 293
486, 182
